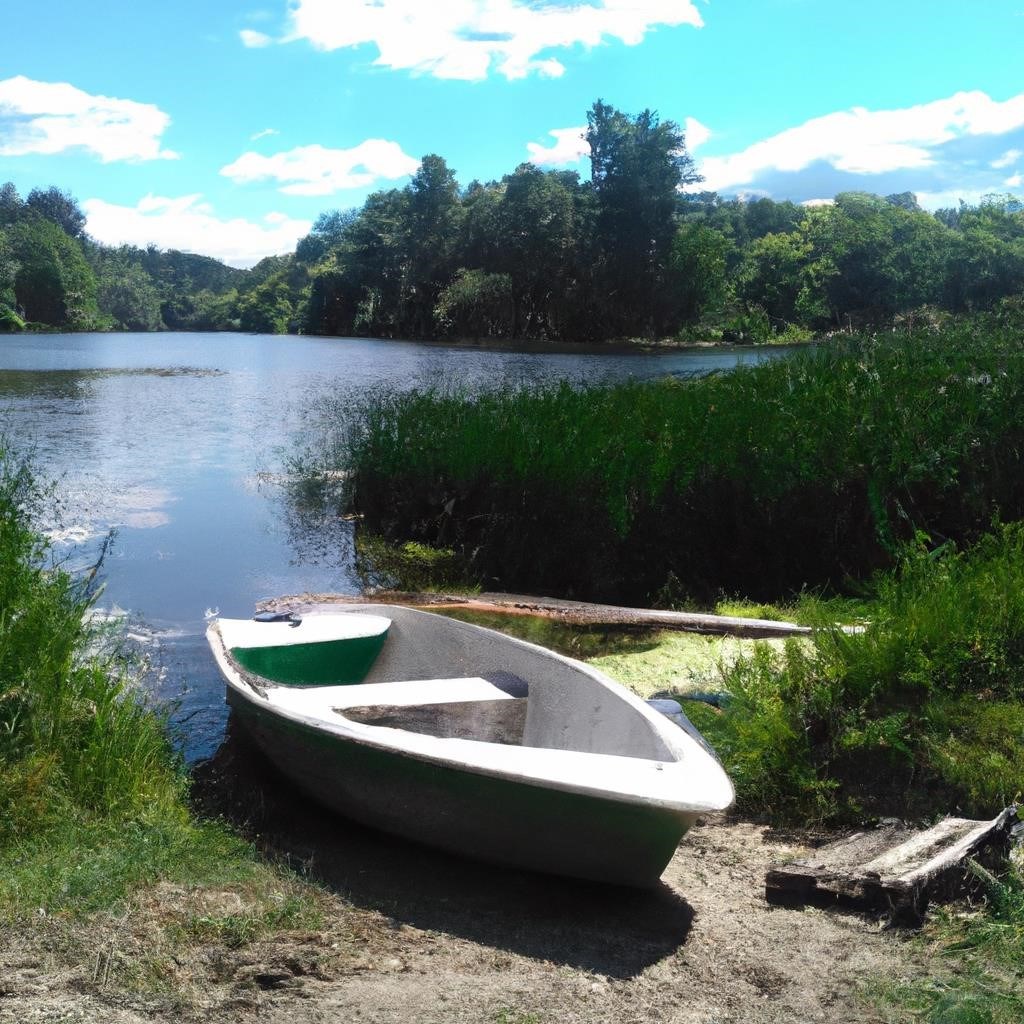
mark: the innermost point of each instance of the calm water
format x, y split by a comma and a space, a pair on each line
177, 442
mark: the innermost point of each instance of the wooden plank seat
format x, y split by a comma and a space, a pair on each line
469, 707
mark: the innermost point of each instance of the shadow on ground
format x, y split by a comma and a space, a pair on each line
616, 932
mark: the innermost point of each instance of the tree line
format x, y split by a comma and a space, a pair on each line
633, 251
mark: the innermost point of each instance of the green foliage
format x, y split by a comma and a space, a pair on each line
699, 263
127, 294
986, 986
54, 284
73, 733
408, 566
59, 206
919, 711
797, 472
475, 305
92, 799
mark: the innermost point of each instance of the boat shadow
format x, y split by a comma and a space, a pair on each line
608, 930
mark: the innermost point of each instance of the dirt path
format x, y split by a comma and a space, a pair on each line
412, 936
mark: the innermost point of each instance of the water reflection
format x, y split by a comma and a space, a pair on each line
181, 442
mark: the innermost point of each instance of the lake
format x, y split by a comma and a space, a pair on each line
178, 444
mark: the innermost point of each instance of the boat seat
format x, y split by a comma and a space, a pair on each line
405, 693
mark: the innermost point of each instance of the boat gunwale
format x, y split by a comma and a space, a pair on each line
401, 743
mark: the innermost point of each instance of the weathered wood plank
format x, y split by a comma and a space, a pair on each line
893, 868
573, 612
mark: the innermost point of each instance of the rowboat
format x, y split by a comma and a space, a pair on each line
469, 740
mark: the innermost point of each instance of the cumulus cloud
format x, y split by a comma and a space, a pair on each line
570, 147
696, 133
861, 142
189, 224
1010, 157
254, 40
318, 171
51, 117
466, 39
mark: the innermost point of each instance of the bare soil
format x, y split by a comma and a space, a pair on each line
407, 934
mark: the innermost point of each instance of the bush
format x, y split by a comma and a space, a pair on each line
918, 714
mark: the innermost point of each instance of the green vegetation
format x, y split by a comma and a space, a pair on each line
984, 950
632, 252
92, 798
800, 472
918, 713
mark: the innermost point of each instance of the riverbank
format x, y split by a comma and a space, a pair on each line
406, 935
116, 905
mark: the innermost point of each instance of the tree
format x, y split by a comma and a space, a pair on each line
432, 226
127, 294
11, 206
476, 305
699, 264
774, 277
54, 284
536, 235
59, 206
637, 167
328, 233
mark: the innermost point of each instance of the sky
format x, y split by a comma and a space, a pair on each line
225, 128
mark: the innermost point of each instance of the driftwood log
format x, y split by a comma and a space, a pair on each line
573, 612
894, 868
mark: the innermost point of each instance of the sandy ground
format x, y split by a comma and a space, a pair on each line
412, 935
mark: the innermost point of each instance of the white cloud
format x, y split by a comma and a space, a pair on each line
570, 147
263, 134
952, 197
861, 141
318, 171
254, 40
1011, 156
189, 224
696, 133
1014, 181
51, 117
466, 39
813, 203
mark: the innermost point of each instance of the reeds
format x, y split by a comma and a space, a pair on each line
803, 471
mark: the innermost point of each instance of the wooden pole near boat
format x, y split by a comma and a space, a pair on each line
572, 612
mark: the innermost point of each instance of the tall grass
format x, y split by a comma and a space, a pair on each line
800, 471
74, 735
92, 796
921, 712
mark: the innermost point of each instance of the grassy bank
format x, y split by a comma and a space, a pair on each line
919, 714
93, 800
803, 471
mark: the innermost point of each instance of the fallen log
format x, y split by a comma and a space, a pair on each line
894, 869
572, 612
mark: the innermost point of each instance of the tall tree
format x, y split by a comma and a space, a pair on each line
54, 284
432, 226
59, 206
638, 166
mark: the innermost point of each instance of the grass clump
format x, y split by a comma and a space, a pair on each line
803, 471
986, 985
919, 712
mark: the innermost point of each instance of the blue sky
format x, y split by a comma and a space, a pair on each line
226, 127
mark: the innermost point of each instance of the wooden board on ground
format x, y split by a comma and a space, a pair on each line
893, 868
